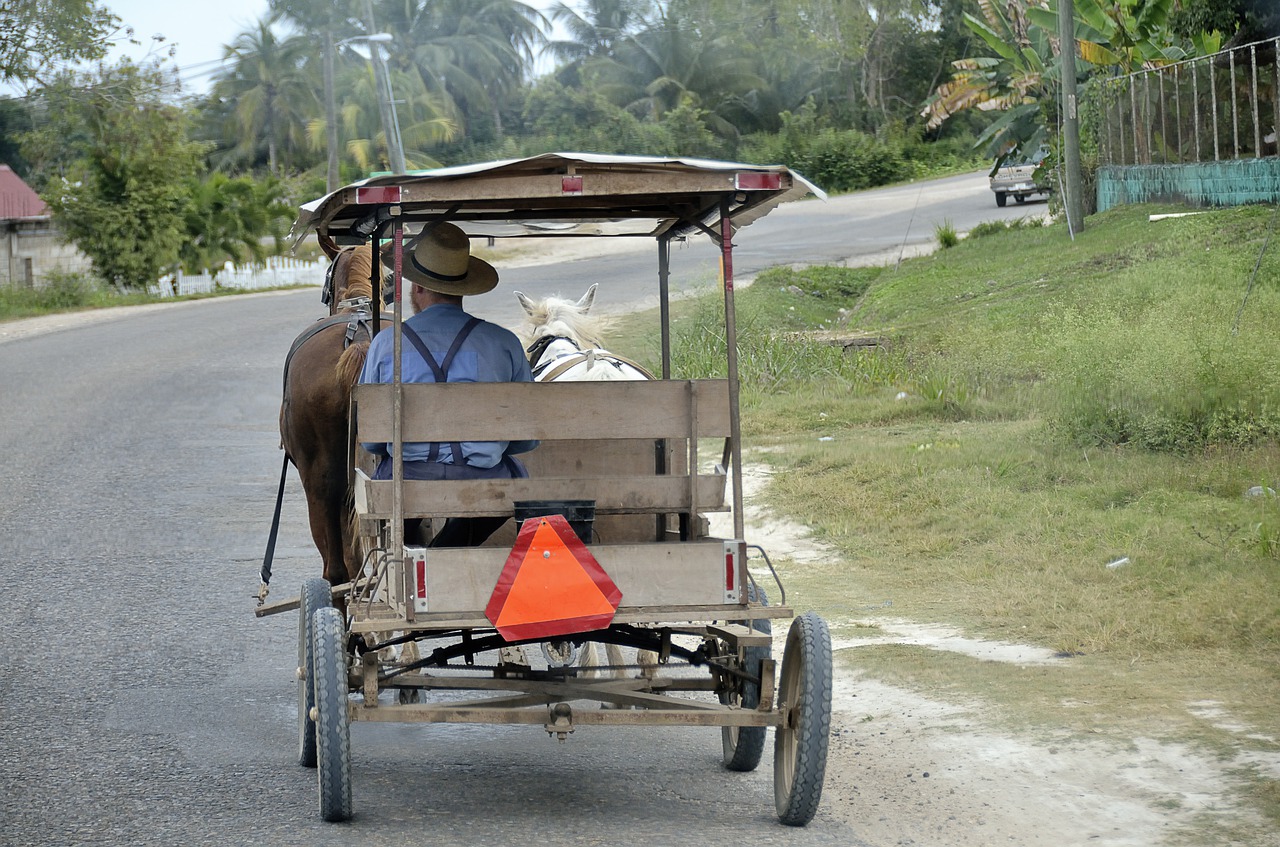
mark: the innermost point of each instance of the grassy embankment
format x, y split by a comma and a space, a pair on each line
1036, 411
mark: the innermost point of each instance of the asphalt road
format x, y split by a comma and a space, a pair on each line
870, 227
142, 702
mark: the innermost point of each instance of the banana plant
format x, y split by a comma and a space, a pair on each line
1020, 78
1127, 35
1017, 80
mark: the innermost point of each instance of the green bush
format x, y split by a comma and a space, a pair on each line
834, 159
65, 291
986, 228
59, 292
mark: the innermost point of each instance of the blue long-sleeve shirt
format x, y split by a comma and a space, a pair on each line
489, 354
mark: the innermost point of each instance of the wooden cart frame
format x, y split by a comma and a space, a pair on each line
415, 622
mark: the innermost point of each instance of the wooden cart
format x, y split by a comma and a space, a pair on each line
419, 622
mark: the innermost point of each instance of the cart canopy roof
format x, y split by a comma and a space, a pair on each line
560, 194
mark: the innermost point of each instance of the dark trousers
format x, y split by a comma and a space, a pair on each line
456, 532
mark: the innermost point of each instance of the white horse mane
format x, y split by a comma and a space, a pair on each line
559, 316
561, 331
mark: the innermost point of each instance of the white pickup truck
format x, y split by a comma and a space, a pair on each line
1016, 179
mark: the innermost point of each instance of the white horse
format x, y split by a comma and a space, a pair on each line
564, 344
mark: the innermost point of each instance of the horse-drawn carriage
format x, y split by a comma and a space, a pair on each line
611, 545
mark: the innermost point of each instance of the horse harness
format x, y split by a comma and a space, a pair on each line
358, 321
552, 369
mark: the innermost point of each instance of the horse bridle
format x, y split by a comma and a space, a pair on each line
537, 349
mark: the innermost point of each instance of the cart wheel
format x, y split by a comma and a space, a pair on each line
800, 744
333, 729
744, 745
315, 595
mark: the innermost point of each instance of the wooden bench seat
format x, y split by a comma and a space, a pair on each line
626, 445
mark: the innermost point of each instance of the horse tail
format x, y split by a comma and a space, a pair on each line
350, 363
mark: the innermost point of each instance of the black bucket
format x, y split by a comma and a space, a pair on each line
580, 514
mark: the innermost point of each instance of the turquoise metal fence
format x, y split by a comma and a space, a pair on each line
1226, 183
1201, 131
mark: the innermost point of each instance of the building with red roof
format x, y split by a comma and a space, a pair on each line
33, 248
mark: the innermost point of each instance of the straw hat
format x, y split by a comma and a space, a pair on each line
441, 261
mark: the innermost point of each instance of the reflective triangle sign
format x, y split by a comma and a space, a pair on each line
551, 585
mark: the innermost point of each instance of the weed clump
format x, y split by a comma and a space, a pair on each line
946, 235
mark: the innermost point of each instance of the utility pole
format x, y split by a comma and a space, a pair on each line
386, 106
1074, 199
330, 113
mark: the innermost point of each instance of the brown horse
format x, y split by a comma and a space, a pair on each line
323, 366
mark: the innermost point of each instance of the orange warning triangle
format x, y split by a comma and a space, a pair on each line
551, 585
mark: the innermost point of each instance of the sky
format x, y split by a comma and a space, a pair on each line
197, 31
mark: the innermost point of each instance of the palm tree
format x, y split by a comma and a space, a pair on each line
422, 117
471, 53
323, 22
677, 61
273, 97
594, 31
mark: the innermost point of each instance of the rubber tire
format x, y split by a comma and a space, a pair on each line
333, 728
1021, 198
800, 748
316, 594
1001, 199
743, 746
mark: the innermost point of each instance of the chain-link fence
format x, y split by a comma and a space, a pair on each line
1211, 108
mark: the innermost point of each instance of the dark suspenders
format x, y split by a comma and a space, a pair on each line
440, 370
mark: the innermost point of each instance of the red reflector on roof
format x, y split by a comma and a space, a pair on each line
757, 182
571, 185
378, 194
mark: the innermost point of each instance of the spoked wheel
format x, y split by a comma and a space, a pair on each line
315, 595
800, 743
744, 745
333, 729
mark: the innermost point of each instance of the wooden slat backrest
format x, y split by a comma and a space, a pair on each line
623, 495
546, 411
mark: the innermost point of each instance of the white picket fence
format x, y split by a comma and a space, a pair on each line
276, 272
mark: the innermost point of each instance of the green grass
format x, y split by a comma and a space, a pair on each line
946, 235
74, 292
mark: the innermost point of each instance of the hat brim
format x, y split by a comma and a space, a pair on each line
481, 276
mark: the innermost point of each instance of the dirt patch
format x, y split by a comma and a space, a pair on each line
905, 769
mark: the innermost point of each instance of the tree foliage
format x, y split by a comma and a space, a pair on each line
118, 161
833, 88
273, 96
1020, 76
227, 218
37, 35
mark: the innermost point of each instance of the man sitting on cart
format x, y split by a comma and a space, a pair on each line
442, 343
